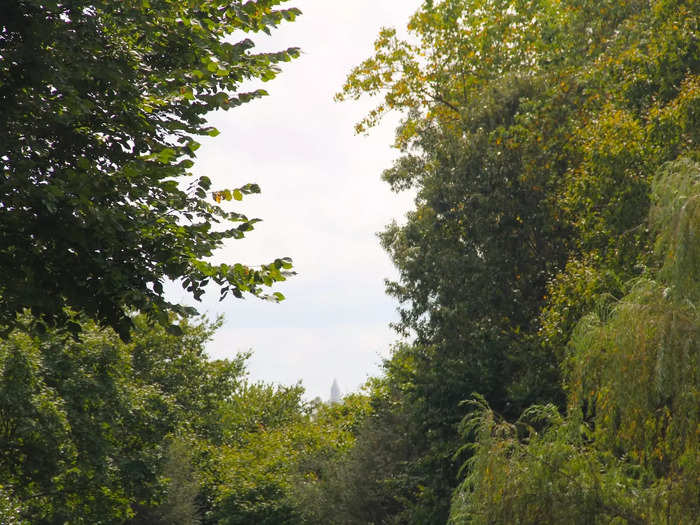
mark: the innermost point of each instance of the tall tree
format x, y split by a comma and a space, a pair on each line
100, 105
627, 449
531, 132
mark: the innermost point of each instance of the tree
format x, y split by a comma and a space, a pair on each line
100, 104
627, 449
96, 419
475, 254
81, 436
96, 430
270, 464
180, 505
531, 132
374, 481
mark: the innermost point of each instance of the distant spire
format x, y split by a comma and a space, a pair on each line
335, 392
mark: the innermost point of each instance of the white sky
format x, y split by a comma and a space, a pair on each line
322, 203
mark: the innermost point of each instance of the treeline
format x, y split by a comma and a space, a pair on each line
549, 271
549, 285
152, 432
548, 275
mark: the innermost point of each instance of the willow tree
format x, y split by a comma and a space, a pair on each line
627, 450
101, 103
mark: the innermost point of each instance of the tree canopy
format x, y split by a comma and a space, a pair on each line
626, 448
98, 431
101, 103
548, 276
532, 133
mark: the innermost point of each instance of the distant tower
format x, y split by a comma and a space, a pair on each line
335, 393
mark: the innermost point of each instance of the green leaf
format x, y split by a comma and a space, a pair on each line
166, 155
174, 329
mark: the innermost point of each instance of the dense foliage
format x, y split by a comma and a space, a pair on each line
532, 133
100, 105
100, 431
85, 423
548, 275
627, 448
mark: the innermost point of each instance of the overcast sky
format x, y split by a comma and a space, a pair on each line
322, 203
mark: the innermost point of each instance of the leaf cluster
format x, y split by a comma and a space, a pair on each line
100, 106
